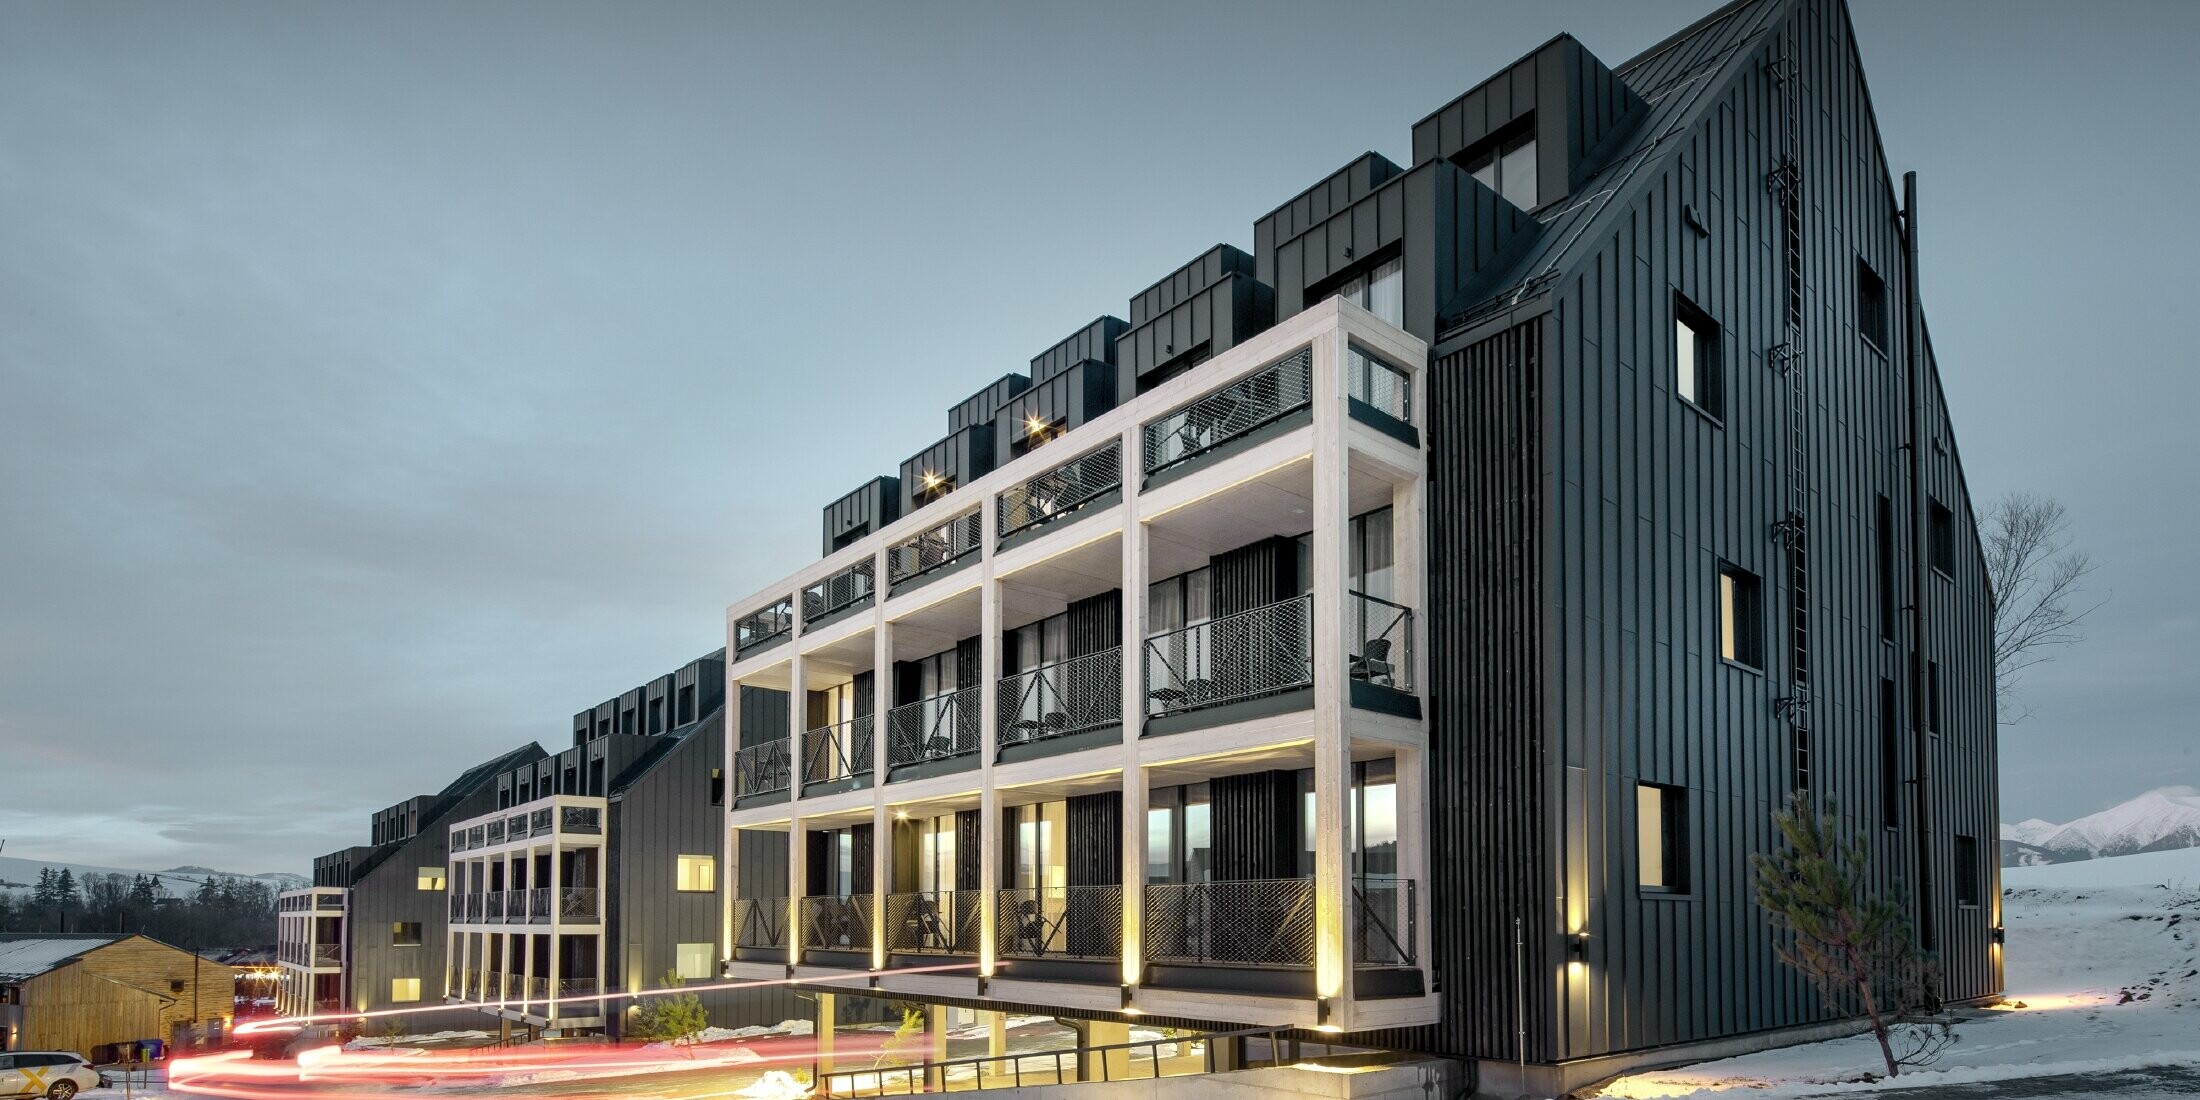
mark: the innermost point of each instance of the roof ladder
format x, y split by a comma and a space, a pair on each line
1785, 183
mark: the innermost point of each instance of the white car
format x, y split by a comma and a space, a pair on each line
49, 1073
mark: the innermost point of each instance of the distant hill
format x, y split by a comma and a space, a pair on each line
2163, 819
22, 874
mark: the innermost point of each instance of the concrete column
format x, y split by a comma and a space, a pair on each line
935, 1047
996, 1038
827, 1016
1332, 505
1114, 1065
1134, 703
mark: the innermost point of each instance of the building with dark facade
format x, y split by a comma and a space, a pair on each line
1406, 628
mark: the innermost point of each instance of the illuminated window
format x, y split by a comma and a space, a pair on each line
431, 878
1740, 638
698, 874
405, 933
404, 990
695, 960
1661, 834
1696, 374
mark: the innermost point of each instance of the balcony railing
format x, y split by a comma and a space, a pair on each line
760, 769
492, 986
1065, 697
493, 906
515, 826
1378, 385
1071, 922
328, 901
578, 903
580, 819
933, 548
477, 836
1061, 491
473, 907
1257, 922
328, 954
1232, 658
934, 922
832, 923
760, 922
761, 627
838, 751
1385, 922
845, 589
458, 907
538, 822
496, 832
538, 905
1231, 412
939, 728
1378, 642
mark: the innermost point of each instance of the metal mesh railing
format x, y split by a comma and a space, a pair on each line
473, 907
762, 626
838, 751
538, 905
493, 906
580, 819
939, 728
845, 589
496, 831
1385, 922
538, 822
1378, 642
1080, 922
1230, 412
1061, 490
760, 922
1377, 384
476, 836
760, 769
932, 548
832, 923
1065, 697
1224, 660
1255, 922
934, 922
577, 903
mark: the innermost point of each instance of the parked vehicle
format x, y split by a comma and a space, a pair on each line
54, 1074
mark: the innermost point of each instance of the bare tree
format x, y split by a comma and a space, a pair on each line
2038, 577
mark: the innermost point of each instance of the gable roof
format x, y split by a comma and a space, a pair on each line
448, 799
1681, 80
670, 743
26, 955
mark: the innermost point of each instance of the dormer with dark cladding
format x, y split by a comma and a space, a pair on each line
872, 506
967, 452
1196, 312
1577, 109
1071, 382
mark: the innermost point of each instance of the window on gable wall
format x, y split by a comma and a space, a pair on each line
1696, 367
1871, 306
1661, 838
1741, 637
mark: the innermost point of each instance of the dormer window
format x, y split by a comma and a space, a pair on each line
1506, 164
1033, 432
1381, 291
935, 485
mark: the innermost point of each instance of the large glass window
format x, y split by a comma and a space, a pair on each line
1041, 643
1381, 291
1179, 601
1507, 166
1178, 847
936, 853
1373, 554
697, 874
1042, 836
1661, 815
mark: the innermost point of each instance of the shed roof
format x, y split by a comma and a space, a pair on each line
25, 955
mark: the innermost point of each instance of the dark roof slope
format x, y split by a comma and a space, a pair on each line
669, 743
449, 797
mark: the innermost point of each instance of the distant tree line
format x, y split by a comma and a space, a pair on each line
221, 911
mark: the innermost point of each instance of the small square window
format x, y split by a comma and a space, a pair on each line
1943, 539
405, 933
698, 874
1696, 370
404, 990
1871, 306
431, 878
695, 960
1741, 620
1661, 838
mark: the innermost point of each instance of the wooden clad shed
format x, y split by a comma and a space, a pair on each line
85, 991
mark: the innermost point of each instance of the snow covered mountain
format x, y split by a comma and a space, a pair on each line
22, 874
2159, 820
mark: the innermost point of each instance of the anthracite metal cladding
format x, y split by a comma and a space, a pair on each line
1094, 341
872, 506
962, 457
1198, 311
1065, 400
1575, 106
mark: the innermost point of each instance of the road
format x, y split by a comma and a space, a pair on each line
2152, 1083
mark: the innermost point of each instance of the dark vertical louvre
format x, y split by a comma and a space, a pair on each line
906, 683
865, 687
763, 864
968, 850
1255, 575
859, 851
1096, 623
1255, 822
968, 653
1096, 839
763, 715
817, 856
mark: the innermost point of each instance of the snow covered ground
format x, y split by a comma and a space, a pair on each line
2103, 974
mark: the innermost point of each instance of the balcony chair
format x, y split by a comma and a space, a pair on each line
1373, 663
1031, 928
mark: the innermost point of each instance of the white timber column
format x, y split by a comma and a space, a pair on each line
989, 724
828, 1014
1413, 844
727, 837
798, 718
882, 869
798, 887
1332, 506
882, 696
527, 968
555, 939
1135, 569
1409, 575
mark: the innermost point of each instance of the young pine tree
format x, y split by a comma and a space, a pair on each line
678, 1018
1855, 948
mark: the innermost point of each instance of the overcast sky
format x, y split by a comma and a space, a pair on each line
381, 384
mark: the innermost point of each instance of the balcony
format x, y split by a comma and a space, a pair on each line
763, 629
760, 769
493, 907
841, 751
1233, 659
838, 926
1385, 922
933, 731
931, 552
760, 925
579, 904
1235, 416
934, 922
1061, 922
586, 820
1380, 395
1378, 649
538, 905
1087, 483
846, 590
1064, 698
1258, 922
